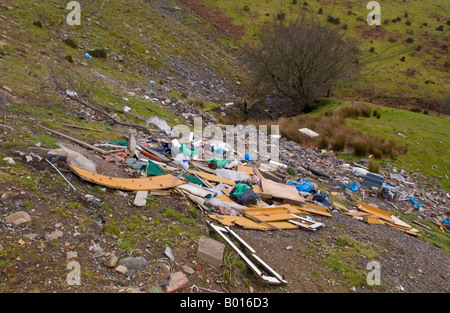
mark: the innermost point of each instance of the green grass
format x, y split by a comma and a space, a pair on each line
343, 257
427, 138
383, 74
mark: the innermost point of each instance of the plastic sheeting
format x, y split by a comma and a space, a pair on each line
232, 175
161, 124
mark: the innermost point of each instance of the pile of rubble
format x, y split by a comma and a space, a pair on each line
253, 192
400, 189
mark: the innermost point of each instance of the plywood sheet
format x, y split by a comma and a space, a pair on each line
314, 211
316, 206
214, 178
245, 169
249, 224
132, 184
282, 191
375, 211
272, 210
373, 220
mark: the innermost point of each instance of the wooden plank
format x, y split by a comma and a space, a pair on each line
141, 198
225, 198
132, 184
272, 210
375, 211
282, 191
316, 206
314, 211
274, 217
373, 220
245, 169
214, 178
151, 156
249, 224
359, 214
257, 189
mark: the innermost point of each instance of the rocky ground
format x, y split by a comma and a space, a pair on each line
51, 233
57, 225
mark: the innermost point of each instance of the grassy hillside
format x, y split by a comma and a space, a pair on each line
405, 60
426, 137
144, 41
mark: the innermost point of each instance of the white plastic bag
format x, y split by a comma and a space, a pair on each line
181, 161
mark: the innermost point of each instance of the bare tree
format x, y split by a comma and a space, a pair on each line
302, 60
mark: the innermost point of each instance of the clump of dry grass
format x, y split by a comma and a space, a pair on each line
335, 134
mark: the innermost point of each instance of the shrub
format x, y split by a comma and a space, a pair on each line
320, 11
281, 16
37, 24
71, 43
98, 53
69, 58
410, 40
360, 148
338, 144
416, 109
275, 67
292, 171
323, 144
375, 113
374, 167
246, 8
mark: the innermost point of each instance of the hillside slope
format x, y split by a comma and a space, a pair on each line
405, 60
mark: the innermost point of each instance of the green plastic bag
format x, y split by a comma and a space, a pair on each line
240, 189
220, 162
153, 169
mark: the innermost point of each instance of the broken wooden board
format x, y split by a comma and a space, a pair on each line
257, 189
225, 198
375, 211
285, 208
340, 207
249, 224
273, 214
131, 184
141, 198
151, 156
316, 206
281, 191
245, 169
312, 210
359, 214
373, 220
160, 192
214, 178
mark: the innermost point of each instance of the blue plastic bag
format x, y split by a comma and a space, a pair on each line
415, 203
446, 223
353, 187
248, 157
305, 186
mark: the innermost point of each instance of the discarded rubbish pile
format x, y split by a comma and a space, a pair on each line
399, 189
249, 192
